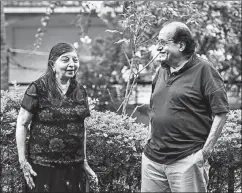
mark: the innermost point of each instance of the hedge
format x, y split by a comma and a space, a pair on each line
114, 147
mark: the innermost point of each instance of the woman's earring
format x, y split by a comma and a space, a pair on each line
54, 71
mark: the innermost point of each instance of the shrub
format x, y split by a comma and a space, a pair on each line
225, 171
11, 178
114, 146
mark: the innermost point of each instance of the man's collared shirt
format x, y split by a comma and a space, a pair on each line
183, 104
177, 69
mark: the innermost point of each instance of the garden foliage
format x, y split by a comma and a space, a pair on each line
114, 147
132, 39
225, 172
11, 178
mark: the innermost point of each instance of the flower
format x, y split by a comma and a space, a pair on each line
85, 40
80, 109
37, 148
45, 115
56, 144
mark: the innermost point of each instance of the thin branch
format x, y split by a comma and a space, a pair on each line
126, 93
120, 105
147, 41
138, 28
130, 65
134, 84
148, 63
127, 58
111, 98
138, 106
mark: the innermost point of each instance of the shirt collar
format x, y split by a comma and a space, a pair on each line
178, 68
185, 66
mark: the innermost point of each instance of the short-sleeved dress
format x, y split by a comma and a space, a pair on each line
56, 142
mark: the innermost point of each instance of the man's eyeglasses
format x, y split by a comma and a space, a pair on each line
163, 42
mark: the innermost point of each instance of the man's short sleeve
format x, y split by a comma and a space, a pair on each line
30, 99
214, 90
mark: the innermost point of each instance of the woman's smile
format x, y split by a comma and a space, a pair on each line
71, 71
67, 65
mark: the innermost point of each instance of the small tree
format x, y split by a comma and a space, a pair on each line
135, 23
138, 30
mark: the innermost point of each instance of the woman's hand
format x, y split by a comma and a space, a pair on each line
28, 171
92, 177
90, 173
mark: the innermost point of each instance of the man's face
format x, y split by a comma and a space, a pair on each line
169, 51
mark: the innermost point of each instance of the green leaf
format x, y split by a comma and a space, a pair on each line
114, 31
122, 40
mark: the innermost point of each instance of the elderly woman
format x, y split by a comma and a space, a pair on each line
55, 106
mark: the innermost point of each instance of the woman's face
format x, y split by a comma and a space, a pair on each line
66, 65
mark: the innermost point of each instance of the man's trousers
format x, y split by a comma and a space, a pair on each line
189, 174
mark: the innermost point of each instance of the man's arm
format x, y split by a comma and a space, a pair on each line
216, 129
149, 131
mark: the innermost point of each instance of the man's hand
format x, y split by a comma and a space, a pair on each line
206, 154
215, 131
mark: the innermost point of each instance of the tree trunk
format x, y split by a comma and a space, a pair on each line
4, 63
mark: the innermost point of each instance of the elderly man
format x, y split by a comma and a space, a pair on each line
188, 111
